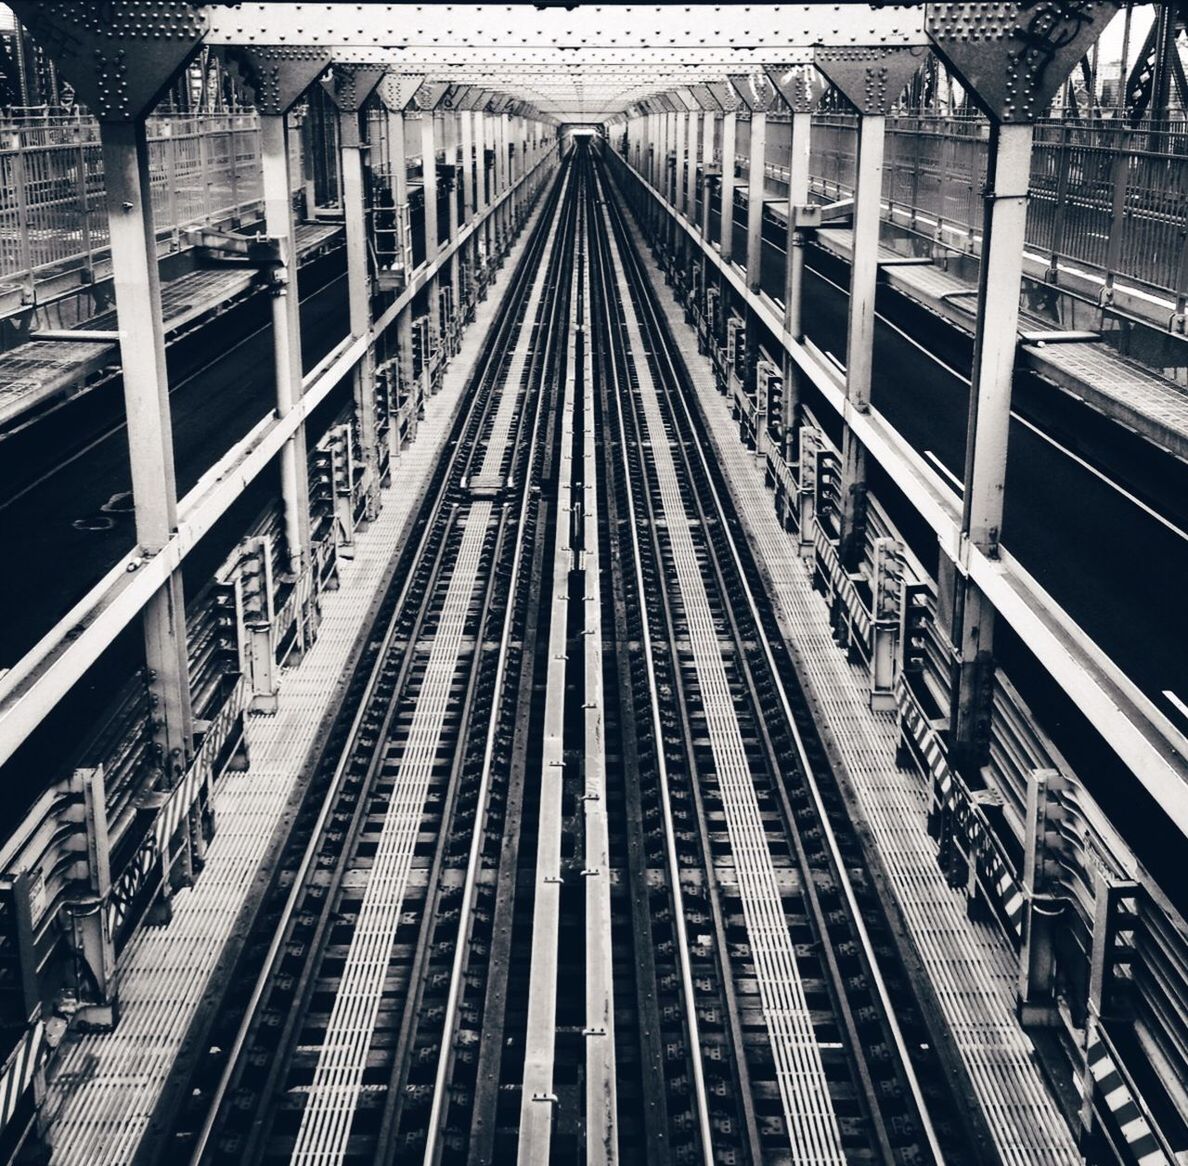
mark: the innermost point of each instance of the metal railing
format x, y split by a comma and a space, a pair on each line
1104, 197
203, 169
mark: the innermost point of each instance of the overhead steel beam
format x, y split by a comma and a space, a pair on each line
453, 29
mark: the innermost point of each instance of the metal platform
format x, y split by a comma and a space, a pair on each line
102, 1099
1122, 390
973, 971
40, 370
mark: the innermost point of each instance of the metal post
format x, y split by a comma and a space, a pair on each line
150, 434
864, 270
798, 195
756, 188
359, 299
429, 182
691, 173
1005, 222
1036, 1003
680, 139
729, 133
469, 201
286, 336
707, 161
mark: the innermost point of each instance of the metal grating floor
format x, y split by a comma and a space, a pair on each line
101, 1100
973, 969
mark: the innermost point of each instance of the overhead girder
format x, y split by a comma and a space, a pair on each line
440, 32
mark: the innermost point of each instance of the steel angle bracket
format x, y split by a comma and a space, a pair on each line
704, 97
396, 90
429, 95
755, 91
351, 86
725, 95
275, 77
801, 85
1014, 57
871, 79
120, 56
230, 246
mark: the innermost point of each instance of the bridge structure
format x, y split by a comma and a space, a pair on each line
594, 583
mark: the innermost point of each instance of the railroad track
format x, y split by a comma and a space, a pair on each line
810, 1045
328, 1041
574, 881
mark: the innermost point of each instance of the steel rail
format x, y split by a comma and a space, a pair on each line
664, 350
673, 861
459, 455
435, 1125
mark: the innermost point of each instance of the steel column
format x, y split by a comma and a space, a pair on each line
691, 174
864, 271
359, 299
756, 189
729, 135
680, 140
286, 335
798, 195
1000, 282
150, 434
429, 182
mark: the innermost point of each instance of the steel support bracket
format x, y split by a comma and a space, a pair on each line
224, 246
350, 86
801, 85
815, 217
755, 90
120, 56
396, 90
870, 78
276, 77
1013, 58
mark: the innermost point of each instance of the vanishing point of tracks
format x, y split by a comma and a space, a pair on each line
573, 880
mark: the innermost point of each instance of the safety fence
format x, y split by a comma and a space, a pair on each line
1104, 197
202, 170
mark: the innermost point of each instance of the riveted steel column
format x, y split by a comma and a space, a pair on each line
395, 91
756, 189
149, 427
864, 274
691, 173
350, 88
680, 131
469, 204
707, 162
429, 182
729, 143
871, 79
801, 86
996, 338
286, 336
1012, 66
798, 194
